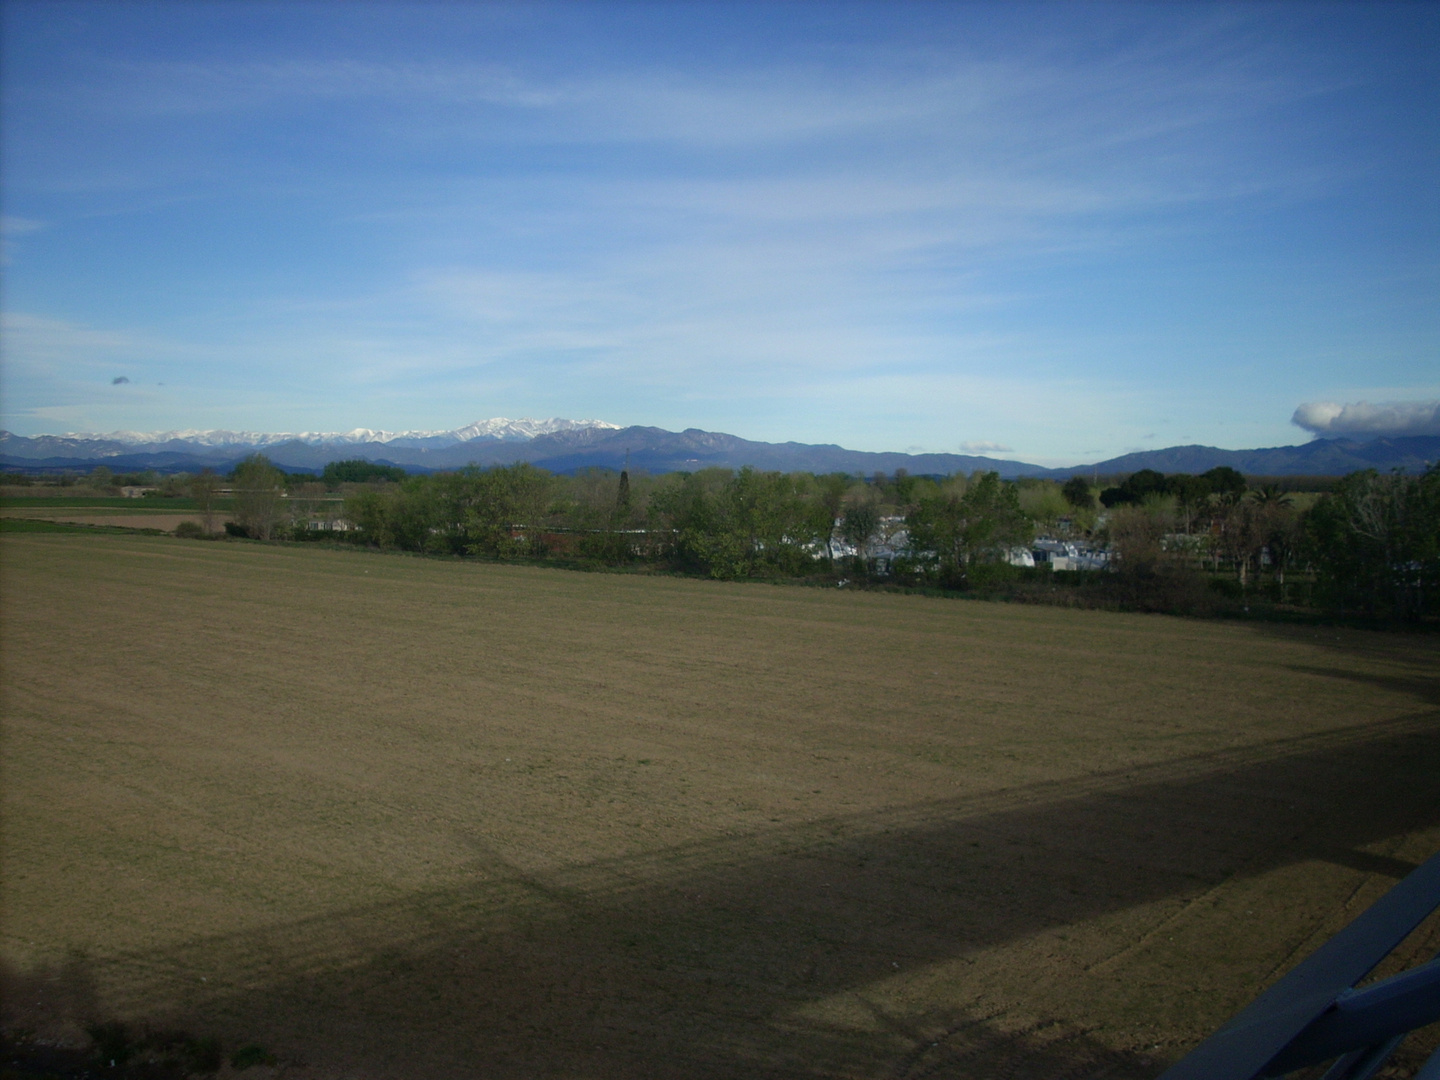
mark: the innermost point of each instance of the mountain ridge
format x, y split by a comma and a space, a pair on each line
499, 427
568, 445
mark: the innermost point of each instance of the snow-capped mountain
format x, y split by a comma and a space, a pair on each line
500, 427
569, 445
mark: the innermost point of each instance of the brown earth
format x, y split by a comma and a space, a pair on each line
165, 520
397, 817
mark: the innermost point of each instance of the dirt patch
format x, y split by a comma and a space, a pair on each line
137, 519
397, 817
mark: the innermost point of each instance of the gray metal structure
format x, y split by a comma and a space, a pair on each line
1314, 1014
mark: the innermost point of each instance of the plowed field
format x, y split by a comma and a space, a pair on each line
394, 817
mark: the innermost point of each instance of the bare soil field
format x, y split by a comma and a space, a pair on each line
392, 817
125, 519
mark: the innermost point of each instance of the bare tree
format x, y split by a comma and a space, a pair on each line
1242, 533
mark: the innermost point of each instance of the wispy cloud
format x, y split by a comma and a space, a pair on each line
192, 89
984, 447
10, 225
983, 223
38, 338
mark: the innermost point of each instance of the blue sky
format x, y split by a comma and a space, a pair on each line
1068, 230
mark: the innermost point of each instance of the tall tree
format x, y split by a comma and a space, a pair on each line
622, 496
830, 492
1241, 529
205, 490
1077, 493
259, 496
861, 522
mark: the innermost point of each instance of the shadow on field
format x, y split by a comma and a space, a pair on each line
1426, 688
781, 954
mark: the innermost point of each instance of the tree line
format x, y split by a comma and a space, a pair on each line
1369, 545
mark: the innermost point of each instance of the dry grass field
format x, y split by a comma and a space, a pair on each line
395, 817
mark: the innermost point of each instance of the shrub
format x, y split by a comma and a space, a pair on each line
611, 548
993, 575
190, 530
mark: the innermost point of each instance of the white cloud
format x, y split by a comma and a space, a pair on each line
1364, 419
984, 447
11, 227
34, 337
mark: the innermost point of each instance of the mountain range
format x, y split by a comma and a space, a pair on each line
568, 445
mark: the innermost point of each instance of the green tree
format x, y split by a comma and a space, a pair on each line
1270, 495
1077, 493
622, 496
1240, 530
1152, 573
744, 524
1282, 530
1135, 489
830, 492
592, 498
981, 526
393, 517
307, 503
1192, 496
259, 504
1375, 543
1043, 501
499, 512
904, 488
1224, 480
508, 509
205, 490
1135, 536
860, 523
359, 471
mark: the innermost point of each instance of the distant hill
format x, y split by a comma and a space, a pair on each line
569, 445
1320, 457
565, 446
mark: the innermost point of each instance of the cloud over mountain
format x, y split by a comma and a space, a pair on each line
983, 446
1362, 419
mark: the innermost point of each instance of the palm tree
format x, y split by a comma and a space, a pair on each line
1270, 495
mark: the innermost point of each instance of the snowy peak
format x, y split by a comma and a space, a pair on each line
525, 428
500, 427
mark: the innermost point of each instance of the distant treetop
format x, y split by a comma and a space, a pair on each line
360, 472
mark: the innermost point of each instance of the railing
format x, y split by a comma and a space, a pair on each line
1315, 1014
